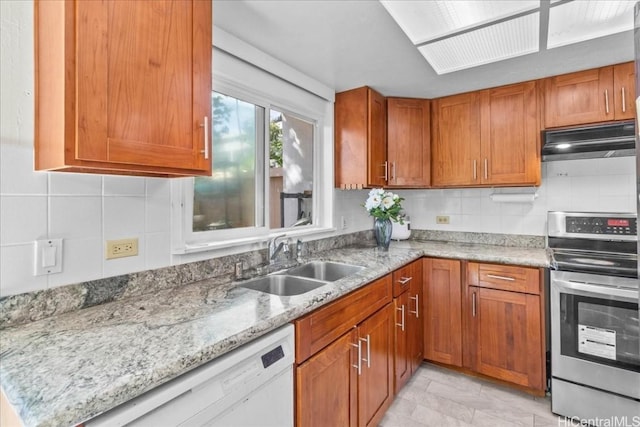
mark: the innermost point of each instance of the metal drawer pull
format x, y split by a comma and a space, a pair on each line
475, 169
359, 365
473, 304
493, 276
486, 168
417, 312
404, 280
205, 125
368, 341
606, 100
624, 101
386, 171
401, 308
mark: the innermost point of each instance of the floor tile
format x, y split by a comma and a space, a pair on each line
438, 397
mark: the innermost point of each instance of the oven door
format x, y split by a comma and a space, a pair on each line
595, 331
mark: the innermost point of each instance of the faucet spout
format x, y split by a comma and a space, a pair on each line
275, 248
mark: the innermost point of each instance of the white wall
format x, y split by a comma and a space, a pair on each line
598, 185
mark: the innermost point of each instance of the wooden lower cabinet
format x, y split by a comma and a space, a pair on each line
326, 384
505, 336
408, 328
442, 311
375, 382
349, 382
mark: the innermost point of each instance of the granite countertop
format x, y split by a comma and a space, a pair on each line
69, 368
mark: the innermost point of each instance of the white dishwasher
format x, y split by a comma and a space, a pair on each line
250, 386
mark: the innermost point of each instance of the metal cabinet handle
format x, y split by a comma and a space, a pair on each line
475, 169
359, 365
404, 280
205, 125
386, 171
417, 312
401, 324
493, 276
473, 304
368, 341
486, 168
606, 100
624, 101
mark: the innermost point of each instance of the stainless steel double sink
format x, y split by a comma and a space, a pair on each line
301, 279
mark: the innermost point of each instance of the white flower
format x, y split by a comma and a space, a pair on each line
372, 202
387, 202
376, 192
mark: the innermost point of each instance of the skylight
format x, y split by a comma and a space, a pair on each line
455, 35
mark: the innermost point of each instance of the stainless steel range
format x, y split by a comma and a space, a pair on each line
595, 331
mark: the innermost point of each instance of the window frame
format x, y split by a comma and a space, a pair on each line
186, 241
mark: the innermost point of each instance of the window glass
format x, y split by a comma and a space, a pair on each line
229, 198
290, 170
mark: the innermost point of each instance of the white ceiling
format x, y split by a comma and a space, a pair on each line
352, 43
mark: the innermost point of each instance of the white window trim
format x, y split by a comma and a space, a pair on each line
184, 242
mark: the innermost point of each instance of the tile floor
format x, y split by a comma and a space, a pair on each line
437, 397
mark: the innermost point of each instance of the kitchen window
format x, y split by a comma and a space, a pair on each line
267, 174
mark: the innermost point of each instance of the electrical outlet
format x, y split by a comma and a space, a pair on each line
122, 248
442, 219
343, 222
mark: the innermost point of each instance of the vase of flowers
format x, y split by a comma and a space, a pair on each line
384, 207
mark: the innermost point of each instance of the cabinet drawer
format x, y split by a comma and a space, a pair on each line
505, 277
318, 329
402, 279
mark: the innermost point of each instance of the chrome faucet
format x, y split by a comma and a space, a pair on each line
274, 248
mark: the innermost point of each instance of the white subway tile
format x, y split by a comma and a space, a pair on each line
158, 250
491, 224
471, 205
124, 185
535, 225
75, 184
16, 274
123, 217
617, 166
615, 204
16, 169
23, 219
81, 261
75, 217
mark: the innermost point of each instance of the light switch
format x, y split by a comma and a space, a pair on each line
48, 256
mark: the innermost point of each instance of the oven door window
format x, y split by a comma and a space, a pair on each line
600, 330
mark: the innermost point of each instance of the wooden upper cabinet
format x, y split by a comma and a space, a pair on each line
624, 91
408, 142
590, 96
124, 87
360, 139
455, 148
510, 151
490, 137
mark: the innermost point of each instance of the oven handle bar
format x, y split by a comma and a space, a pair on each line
626, 294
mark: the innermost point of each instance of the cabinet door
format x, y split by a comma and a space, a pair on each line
415, 317
579, 98
409, 142
401, 342
137, 93
443, 311
377, 141
510, 135
375, 384
624, 91
326, 386
455, 149
360, 139
506, 335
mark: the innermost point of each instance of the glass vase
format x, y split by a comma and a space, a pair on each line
382, 230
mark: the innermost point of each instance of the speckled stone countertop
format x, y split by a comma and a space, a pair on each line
69, 368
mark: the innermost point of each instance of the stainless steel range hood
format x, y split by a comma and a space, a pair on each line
588, 142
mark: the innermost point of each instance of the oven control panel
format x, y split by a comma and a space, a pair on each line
617, 226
